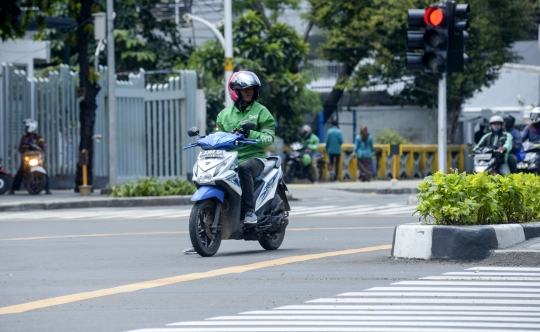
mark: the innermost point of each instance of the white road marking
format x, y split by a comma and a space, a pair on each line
481, 278
359, 323
458, 289
408, 307
320, 329
391, 312
468, 283
441, 294
492, 274
377, 318
496, 268
432, 301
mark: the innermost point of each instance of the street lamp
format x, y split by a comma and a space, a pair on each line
226, 43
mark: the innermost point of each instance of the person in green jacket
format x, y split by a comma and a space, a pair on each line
334, 139
311, 141
499, 138
244, 89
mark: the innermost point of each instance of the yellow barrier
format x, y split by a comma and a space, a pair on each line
415, 161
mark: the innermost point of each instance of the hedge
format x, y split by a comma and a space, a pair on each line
479, 199
153, 187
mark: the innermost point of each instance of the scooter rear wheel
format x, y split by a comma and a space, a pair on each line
205, 242
273, 244
5, 183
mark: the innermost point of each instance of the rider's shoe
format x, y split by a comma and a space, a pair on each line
190, 251
250, 218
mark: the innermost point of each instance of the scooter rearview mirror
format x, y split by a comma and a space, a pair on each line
193, 131
247, 125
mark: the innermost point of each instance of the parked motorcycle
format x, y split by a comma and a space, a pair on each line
488, 159
216, 214
298, 163
34, 174
5, 179
531, 162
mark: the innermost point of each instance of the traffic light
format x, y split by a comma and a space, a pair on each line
442, 40
436, 37
458, 36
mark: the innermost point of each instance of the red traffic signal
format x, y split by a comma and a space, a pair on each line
434, 16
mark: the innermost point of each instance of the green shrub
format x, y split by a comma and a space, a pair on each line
479, 199
388, 136
153, 187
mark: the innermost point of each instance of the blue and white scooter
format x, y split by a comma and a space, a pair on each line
216, 214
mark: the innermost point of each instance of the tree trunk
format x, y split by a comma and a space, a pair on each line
331, 103
452, 117
89, 90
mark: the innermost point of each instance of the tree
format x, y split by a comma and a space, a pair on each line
275, 54
376, 32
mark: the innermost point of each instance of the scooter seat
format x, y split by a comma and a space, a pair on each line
269, 164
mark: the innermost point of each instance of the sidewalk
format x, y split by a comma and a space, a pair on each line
68, 199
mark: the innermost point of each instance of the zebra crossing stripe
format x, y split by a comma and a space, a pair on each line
404, 318
481, 278
458, 289
408, 307
432, 301
321, 329
391, 312
494, 274
348, 210
468, 283
496, 268
360, 323
440, 294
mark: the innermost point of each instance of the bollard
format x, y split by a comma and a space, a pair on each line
85, 189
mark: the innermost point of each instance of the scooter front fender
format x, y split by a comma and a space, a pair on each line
206, 192
38, 169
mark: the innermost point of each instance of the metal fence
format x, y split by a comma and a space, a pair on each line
151, 125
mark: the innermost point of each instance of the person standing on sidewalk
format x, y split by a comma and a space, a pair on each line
363, 150
334, 139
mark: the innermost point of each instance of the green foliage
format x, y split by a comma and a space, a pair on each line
479, 199
388, 136
275, 55
153, 187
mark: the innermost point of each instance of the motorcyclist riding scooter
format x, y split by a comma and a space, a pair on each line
309, 139
532, 132
500, 139
244, 89
517, 153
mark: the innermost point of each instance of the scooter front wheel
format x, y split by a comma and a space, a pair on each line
204, 239
35, 182
5, 183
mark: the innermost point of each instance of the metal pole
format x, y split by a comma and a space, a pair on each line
228, 65
442, 124
111, 100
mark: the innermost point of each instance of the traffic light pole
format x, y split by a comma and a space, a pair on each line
442, 125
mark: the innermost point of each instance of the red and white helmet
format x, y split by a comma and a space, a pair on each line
241, 80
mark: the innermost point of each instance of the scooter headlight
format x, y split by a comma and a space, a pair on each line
33, 162
205, 177
220, 165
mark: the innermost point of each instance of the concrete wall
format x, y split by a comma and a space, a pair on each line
415, 123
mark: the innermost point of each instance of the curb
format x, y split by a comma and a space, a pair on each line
458, 242
100, 202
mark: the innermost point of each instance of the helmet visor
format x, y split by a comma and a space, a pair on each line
244, 80
535, 117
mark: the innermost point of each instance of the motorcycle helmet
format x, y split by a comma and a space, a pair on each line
305, 131
31, 124
535, 115
510, 121
241, 80
306, 159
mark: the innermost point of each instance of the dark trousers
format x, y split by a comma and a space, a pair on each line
17, 180
512, 162
247, 171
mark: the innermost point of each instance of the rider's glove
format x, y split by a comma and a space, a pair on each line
245, 132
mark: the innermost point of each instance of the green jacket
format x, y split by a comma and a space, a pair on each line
312, 142
265, 127
502, 140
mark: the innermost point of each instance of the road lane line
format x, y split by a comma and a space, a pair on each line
23, 307
88, 235
186, 232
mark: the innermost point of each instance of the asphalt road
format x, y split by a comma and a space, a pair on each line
123, 269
